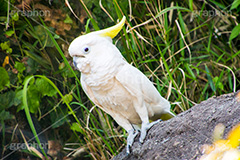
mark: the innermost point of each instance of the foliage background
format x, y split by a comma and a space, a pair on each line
188, 49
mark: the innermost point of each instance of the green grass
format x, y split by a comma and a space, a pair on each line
189, 56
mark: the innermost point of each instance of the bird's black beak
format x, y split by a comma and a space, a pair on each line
75, 64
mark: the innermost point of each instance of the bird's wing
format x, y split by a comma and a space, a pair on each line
141, 89
138, 84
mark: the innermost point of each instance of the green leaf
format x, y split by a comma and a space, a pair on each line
76, 127
87, 30
9, 50
235, 32
15, 17
7, 100
33, 101
9, 33
56, 36
33, 98
4, 115
4, 80
190, 71
61, 65
5, 45
19, 97
20, 67
36, 90
219, 4
67, 98
45, 88
68, 20
32, 66
235, 4
218, 83
191, 4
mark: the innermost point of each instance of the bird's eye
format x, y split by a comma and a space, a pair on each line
86, 49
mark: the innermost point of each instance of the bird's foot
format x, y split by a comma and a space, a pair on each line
130, 139
144, 129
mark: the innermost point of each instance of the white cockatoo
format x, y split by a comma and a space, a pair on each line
114, 85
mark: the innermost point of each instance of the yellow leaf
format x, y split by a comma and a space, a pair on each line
6, 61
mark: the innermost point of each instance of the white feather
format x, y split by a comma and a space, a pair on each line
114, 85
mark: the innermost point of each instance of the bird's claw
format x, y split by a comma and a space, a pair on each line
144, 129
130, 139
133, 133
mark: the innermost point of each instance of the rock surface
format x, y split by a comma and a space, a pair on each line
181, 137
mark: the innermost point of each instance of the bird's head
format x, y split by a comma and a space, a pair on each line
95, 48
